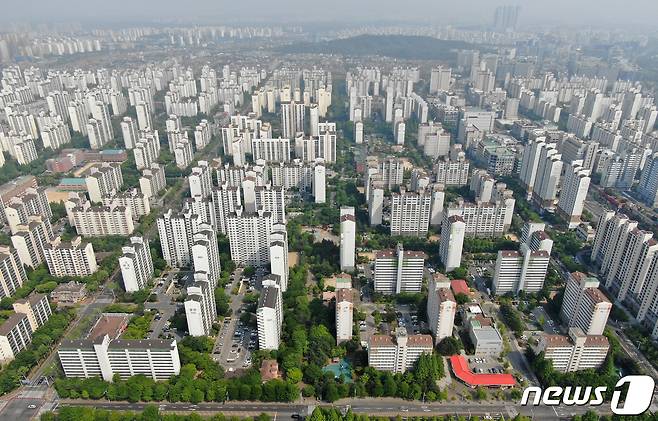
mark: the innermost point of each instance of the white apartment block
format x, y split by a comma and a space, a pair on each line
70, 259
584, 305
94, 221
130, 132
483, 219
628, 265
30, 240
271, 150
136, 264
183, 153
294, 174
147, 149
202, 135
37, 309
389, 170
31, 201
205, 253
574, 352
549, 169
344, 314
410, 213
452, 172
103, 357
15, 336
453, 231
12, 273
103, 180
279, 254
398, 270
441, 307
200, 310
153, 180
523, 270
398, 353
226, 200
78, 113
55, 135
249, 237
132, 199
376, 202
22, 148
347, 239
200, 180
176, 230
269, 314
574, 191
319, 182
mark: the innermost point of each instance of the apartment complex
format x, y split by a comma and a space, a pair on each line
15, 336
36, 307
12, 273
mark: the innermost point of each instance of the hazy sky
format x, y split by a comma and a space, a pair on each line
623, 12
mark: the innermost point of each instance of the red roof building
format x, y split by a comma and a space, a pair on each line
459, 286
463, 372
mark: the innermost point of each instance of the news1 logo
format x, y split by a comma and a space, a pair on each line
636, 400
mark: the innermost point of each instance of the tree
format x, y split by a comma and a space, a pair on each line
462, 298
480, 394
294, 375
449, 346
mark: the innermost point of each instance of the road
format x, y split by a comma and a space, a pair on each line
164, 305
631, 350
223, 349
21, 409
370, 406
102, 298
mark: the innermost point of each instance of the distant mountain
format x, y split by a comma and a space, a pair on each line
396, 46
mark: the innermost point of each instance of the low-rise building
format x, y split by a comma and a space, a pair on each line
69, 293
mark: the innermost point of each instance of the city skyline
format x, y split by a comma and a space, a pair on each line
476, 12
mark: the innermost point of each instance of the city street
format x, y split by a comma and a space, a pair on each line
370, 406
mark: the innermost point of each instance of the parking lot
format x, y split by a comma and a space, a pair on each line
485, 365
235, 341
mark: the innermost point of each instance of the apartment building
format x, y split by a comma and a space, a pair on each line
441, 307
399, 270
136, 264
344, 314
15, 336
269, 314
30, 240
12, 273
584, 305
410, 213
397, 353
453, 232
575, 351
103, 357
73, 258
36, 307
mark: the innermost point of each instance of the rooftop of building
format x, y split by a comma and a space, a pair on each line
11, 322
111, 324
459, 286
